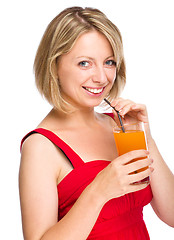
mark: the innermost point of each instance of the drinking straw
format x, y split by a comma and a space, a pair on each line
119, 117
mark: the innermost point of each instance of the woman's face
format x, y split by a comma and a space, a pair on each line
86, 74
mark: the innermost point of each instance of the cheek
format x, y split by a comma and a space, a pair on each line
112, 75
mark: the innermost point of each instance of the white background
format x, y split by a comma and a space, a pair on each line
147, 28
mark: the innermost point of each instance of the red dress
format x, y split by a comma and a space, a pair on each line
121, 218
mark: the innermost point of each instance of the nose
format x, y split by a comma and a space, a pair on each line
99, 75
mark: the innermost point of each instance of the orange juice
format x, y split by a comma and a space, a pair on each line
129, 141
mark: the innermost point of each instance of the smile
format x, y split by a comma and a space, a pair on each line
94, 90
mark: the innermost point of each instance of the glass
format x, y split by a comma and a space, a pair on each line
132, 139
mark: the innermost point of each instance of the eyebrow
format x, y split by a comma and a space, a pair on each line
85, 57
93, 58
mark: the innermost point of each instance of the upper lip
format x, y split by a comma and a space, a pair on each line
93, 87
96, 90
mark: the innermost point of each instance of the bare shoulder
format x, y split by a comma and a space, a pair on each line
37, 180
37, 143
40, 153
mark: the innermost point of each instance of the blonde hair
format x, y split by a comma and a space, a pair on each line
59, 38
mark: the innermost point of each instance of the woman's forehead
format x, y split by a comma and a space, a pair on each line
91, 44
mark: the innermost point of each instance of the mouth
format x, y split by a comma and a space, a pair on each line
94, 90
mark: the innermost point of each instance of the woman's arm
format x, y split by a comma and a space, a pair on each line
162, 184
162, 179
39, 170
40, 167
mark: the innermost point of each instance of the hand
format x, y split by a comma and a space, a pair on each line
116, 179
131, 113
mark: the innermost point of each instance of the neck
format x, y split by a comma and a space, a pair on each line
82, 117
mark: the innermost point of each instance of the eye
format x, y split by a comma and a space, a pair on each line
110, 63
84, 64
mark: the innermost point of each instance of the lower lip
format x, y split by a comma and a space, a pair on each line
94, 94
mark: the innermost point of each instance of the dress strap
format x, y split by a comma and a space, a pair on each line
110, 114
73, 157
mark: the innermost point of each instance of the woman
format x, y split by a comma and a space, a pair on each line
73, 185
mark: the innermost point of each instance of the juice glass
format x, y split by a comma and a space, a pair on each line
132, 139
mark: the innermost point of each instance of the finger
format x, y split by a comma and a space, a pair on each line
137, 187
126, 108
141, 111
116, 118
127, 157
138, 107
137, 165
122, 109
121, 103
140, 176
116, 101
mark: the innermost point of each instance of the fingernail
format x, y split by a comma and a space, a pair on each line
118, 107
121, 112
151, 160
151, 169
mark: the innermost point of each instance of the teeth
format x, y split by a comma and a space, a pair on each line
94, 90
